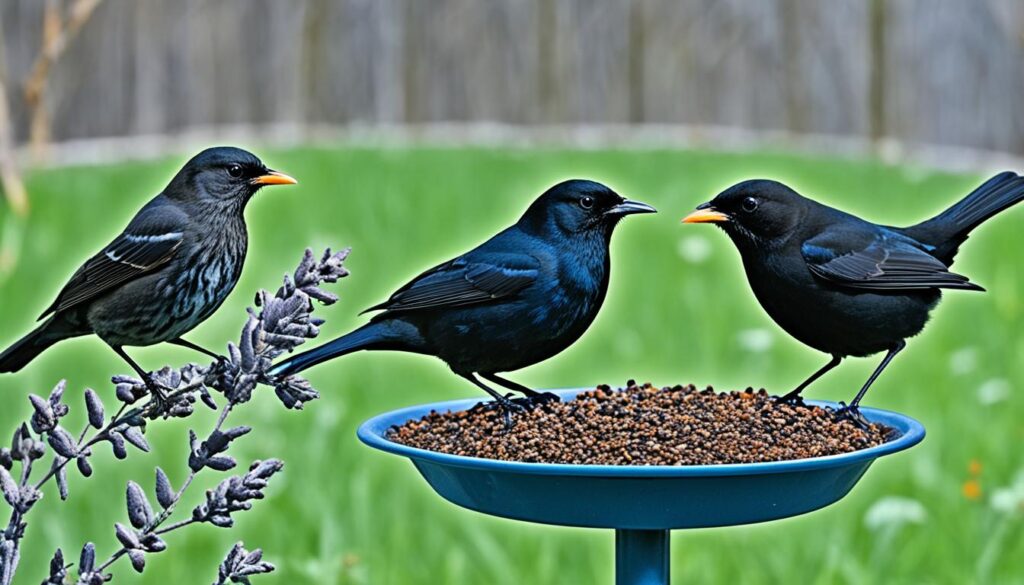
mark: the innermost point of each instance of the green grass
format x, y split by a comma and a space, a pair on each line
679, 310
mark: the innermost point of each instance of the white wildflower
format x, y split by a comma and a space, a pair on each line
895, 512
755, 340
993, 391
963, 361
1009, 499
694, 249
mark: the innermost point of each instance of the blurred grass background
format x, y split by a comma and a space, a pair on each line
679, 310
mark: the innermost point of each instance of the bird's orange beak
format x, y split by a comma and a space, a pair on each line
274, 178
706, 214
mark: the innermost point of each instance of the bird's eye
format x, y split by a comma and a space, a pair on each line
749, 205
586, 202
235, 170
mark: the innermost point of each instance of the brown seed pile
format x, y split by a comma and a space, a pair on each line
644, 425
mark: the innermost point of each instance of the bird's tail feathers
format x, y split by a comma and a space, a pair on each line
950, 228
27, 348
994, 195
370, 336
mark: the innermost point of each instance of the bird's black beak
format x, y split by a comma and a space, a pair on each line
273, 178
705, 213
628, 207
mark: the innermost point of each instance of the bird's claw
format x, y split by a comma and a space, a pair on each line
159, 393
852, 414
792, 399
507, 407
534, 400
890, 433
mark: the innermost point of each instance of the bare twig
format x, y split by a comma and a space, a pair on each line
147, 538
58, 32
10, 178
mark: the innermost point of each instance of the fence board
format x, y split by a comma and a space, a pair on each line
947, 72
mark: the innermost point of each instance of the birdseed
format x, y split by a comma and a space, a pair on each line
644, 425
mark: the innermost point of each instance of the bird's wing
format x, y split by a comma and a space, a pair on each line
150, 241
884, 264
465, 281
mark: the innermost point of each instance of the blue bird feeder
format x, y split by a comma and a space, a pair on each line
641, 503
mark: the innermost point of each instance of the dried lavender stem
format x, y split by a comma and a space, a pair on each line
281, 322
99, 436
167, 512
175, 526
113, 559
12, 531
17, 516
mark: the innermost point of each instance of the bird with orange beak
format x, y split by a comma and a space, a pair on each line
843, 285
168, 271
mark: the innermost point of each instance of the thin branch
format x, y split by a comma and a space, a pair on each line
175, 526
153, 529
117, 420
10, 177
281, 322
57, 35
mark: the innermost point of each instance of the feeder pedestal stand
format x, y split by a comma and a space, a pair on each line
641, 503
642, 557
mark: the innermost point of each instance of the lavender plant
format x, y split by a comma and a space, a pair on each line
279, 323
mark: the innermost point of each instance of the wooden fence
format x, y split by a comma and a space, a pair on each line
947, 72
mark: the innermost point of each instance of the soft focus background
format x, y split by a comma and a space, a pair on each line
418, 129
938, 71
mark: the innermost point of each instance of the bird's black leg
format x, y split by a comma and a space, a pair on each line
794, 396
532, 397
507, 406
158, 391
183, 343
852, 411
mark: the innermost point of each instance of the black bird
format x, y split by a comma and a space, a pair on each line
843, 285
168, 271
517, 299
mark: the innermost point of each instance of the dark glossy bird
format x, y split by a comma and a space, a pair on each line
169, 270
843, 285
517, 299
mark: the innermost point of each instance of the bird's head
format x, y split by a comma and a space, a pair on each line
754, 212
223, 175
578, 207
